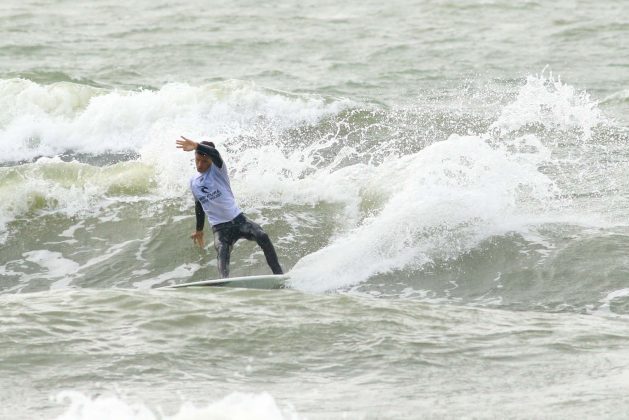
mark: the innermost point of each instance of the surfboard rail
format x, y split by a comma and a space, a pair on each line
271, 281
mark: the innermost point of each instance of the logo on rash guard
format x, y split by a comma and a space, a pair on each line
210, 195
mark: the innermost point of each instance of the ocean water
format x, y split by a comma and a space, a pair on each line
447, 183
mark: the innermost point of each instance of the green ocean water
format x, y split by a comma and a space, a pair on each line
446, 183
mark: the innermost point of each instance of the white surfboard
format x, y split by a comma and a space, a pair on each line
271, 281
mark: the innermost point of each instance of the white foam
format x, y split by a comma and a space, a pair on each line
52, 185
606, 302
236, 406
55, 268
556, 105
19, 97
83, 407
184, 271
442, 201
69, 233
49, 120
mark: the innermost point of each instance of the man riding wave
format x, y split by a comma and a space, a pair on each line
214, 197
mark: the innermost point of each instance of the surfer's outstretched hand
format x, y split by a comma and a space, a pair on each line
197, 238
186, 145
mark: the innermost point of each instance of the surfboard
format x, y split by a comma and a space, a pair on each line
271, 281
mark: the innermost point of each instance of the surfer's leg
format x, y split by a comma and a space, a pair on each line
253, 232
223, 246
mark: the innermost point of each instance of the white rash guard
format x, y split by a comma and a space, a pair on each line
213, 190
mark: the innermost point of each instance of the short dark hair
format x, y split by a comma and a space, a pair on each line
205, 143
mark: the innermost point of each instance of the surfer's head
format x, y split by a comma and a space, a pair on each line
201, 160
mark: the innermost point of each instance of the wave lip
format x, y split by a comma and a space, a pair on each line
66, 117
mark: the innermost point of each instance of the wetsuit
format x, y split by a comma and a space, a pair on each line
214, 198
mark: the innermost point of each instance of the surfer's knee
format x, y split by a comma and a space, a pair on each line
222, 247
218, 243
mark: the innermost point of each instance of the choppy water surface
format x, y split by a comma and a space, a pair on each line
446, 182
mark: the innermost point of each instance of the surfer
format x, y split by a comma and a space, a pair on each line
213, 197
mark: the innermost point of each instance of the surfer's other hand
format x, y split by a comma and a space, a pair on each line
197, 238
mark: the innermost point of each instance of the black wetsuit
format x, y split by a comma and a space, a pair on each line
226, 234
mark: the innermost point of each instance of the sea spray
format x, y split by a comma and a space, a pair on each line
444, 201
